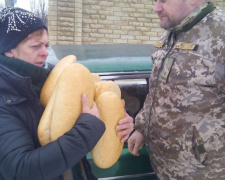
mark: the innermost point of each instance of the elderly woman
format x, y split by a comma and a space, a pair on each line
23, 71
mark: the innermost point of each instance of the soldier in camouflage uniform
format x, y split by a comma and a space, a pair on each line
183, 119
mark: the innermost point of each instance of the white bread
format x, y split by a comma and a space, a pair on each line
65, 105
52, 79
107, 86
75, 80
44, 126
96, 77
109, 147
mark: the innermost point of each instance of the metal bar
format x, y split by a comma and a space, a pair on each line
124, 73
129, 176
124, 76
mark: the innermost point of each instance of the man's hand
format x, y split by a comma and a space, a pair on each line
125, 127
86, 109
135, 143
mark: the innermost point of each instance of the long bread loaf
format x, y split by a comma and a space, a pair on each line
109, 147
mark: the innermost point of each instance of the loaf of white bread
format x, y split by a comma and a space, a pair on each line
61, 97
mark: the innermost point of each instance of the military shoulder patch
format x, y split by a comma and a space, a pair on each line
159, 44
185, 46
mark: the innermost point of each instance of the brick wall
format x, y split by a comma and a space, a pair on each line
104, 21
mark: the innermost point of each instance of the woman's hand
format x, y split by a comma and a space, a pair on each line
125, 127
86, 109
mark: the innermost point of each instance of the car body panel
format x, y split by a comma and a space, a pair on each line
128, 166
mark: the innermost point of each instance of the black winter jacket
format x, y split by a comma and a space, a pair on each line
21, 156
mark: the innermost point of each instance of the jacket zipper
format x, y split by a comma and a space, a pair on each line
173, 35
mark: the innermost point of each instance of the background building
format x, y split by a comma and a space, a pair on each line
104, 21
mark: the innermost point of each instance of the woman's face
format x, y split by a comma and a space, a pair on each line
33, 49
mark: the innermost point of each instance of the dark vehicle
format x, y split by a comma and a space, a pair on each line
130, 67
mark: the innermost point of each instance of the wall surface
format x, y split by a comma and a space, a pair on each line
104, 21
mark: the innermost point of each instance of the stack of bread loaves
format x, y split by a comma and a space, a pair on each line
61, 97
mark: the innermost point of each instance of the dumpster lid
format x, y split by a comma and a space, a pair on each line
100, 58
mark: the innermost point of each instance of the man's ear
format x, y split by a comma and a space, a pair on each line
9, 54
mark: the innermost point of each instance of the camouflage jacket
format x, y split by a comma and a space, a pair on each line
183, 118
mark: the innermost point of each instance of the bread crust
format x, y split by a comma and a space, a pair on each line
53, 77
44, 126
61, 95
96, 77
65, 105
109, 147
75, 80
107, 86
